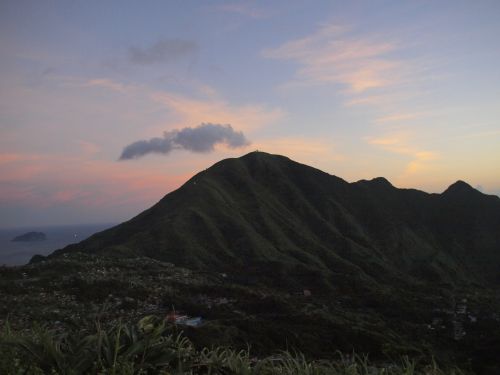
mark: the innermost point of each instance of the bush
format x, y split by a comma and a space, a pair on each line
149, 347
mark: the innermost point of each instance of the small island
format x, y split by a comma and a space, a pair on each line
30, 237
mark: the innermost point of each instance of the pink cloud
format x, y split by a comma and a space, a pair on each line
67, 195
88, 148
336, 55
206, 106
8, 158
15, 193
215, 110
58, 179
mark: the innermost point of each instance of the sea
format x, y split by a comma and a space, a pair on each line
18, 253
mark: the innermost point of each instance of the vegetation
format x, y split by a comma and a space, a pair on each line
280, 256
151, 347
76, 289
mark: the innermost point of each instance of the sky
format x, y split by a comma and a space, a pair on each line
106, 106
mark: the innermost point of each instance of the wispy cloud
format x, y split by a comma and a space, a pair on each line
78, 168
204, 106
7, 158
50, 180
10, 158
386, 99
163, 51
419, 163
481, 134
334, 54
400, 143
216, 110
313, 151
398, 117
371, 70
244, 9
88, 148
107, 84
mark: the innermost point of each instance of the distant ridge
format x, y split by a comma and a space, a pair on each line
269, 216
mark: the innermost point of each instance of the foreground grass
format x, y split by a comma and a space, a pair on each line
150, 347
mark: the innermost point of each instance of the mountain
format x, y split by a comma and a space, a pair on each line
266, 216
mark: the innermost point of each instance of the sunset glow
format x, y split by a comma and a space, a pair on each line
405, 90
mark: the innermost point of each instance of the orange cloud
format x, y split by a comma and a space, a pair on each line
420, 161
396, 117
196, 111
307, 150
481, 134
205, 107
387, 100
43, 181
108, 84
399, 143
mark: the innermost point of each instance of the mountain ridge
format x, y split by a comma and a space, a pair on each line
267, 215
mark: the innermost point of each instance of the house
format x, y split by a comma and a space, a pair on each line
303, 293
461, 308
437, 322
458, 330
221, 301
192, 322
183, 320
176, 318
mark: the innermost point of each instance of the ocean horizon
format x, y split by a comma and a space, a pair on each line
19, 253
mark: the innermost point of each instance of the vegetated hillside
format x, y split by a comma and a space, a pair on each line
266, 215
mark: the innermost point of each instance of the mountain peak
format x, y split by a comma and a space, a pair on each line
382, 181
460, 187
377, 182
261, 155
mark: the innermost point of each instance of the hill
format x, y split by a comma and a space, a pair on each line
265, 215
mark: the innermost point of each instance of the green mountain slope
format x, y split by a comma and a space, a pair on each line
267, 216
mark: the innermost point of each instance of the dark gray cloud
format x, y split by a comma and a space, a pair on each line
165, 50
202, 138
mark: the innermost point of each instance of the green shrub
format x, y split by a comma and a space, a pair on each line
150, 347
